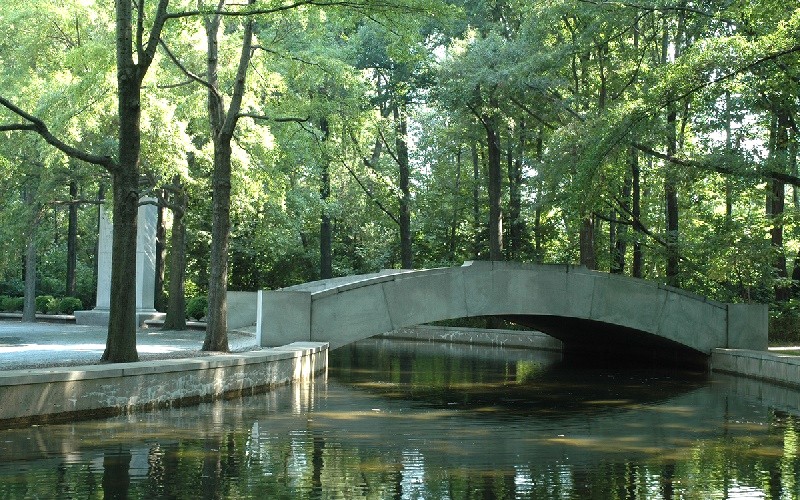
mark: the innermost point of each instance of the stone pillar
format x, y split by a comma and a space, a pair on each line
145, 268
146, 257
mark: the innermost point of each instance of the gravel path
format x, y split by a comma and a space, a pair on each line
43, 345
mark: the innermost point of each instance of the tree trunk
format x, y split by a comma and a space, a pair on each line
476, 203
217, 319
777, 199
516, 223
637, 266
451, 239
72, 241
621, 249
121, 341
176, 306
587, 250
161, 260
325, 227
401, 144
495, 188
223, 124
29, 300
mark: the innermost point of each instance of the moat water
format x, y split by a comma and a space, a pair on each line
400, 420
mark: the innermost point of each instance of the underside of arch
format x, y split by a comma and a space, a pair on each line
595, 341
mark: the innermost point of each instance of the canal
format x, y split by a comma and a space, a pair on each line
410, 420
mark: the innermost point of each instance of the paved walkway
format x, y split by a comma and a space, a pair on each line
37, 345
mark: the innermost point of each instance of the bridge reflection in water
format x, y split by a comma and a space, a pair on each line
587, 310
410, 420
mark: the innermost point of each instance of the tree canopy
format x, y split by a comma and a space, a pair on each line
654, 138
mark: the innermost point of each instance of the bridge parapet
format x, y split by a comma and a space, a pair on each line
569, 302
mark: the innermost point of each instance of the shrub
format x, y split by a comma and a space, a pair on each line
43, 303
5, 302
15, 304
197, 307
54, 306
69, 305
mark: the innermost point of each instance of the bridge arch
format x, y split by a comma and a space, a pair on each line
578, 306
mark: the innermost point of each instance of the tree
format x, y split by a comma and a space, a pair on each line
124, 170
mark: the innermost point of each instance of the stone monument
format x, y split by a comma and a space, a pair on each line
145, 268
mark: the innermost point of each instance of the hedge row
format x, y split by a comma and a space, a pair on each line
196, 308
45, 304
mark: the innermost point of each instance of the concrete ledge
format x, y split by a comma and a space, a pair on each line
761, 365
59, 394
478, 336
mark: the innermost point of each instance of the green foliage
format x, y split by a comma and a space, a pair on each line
68, 305
44, 303
197, 307
11, 304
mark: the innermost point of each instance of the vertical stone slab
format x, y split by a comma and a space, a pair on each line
146, 256
104, 240
145, 268
748, 326
283, 317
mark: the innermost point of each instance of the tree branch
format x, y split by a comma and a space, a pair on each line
279, 119
289, 6
41, 128
771, 174
192, 76
370, 195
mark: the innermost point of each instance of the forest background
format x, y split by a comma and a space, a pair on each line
290, 141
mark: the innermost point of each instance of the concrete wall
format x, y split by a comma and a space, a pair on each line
54, 394
478, 336
242, 309
761, 365
362, 306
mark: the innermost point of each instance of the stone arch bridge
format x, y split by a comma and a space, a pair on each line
587, 310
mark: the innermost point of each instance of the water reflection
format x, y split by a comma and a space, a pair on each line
400, 420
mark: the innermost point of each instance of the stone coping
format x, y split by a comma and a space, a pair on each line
27, 376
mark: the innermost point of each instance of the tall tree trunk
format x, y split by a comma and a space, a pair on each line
72, 240
29, 297
587, 248
121, 341
777, 198
495, 186
516, 222
161, 259
451, 239
223, 124
401, 144
621, 247
217, 318
637, 266
539, 257
176, 306
476, 203
671, 203
325, 229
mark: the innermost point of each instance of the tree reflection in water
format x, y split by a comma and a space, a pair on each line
397, 420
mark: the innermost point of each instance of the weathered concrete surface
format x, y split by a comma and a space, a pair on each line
761, 365
242, 309
596, 307
478, 336
48, 394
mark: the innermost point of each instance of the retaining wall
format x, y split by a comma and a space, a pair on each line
762, 365
58, 394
